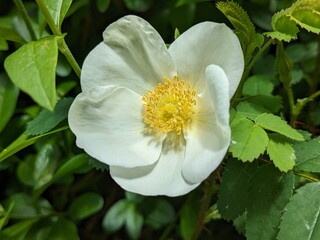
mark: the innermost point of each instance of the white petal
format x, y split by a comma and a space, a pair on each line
208, 138
132, 54
108, 124
162, 178
205, 44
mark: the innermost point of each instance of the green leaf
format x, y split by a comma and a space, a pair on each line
250, 109
47, 120
98, 164
276, 124
116, 216
283, 64
306, 13
248, 140
63, 229
24, 207
17, 231
45, 165
269, 193
240, 223
308, 155
269, 102
301, 217
233, 192
11, 35
258, 85
47, 227
3, 45
102, 5
85, 205
4, 215
32, 68
244, 28
71, 166
58, 10
134, 222
160, 212
68, 168
138, 5
281, 152
284, 28
8, 99
38, 171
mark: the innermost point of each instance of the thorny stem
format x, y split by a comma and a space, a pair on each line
22, 10
63, 47
246, 73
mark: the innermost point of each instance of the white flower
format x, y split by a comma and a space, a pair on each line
159, 117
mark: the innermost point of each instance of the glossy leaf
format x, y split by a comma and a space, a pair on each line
85, 205
116, 216
58, 10
32, 68
248, 140
276, 124
281, 152
301, 217
134, 222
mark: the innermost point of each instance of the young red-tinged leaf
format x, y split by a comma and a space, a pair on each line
301, 217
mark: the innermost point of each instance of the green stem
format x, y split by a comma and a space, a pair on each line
300, 105
22, 10
293, 112
246, 73
63, 47
306, 176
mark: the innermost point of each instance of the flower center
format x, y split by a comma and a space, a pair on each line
169, 107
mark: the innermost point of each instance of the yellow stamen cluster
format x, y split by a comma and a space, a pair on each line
169, 107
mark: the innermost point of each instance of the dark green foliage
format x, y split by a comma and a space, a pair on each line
266, 188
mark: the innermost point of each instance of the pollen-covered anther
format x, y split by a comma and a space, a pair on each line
170, 106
